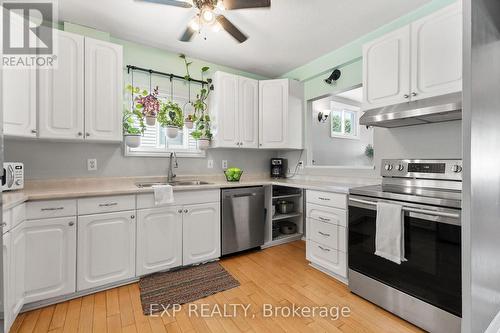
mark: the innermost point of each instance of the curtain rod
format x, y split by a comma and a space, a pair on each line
152, 71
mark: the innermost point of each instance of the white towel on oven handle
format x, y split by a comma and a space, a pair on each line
389, 235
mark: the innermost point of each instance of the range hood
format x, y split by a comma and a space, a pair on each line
430, 110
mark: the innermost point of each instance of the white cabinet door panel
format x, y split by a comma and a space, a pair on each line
226, 108
103, 90
106, 249
6, 296
273, 113
19, 102
386, 69
248, 113
437, 53
50, 258
159, 239
60, 91
201, 233
17, 270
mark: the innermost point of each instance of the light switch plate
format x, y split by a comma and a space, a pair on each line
92, 164
224, 164
210, 164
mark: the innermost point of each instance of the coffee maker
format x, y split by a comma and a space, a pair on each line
279, 167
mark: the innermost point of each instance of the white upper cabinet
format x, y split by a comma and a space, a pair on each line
226, 110
159, 239
50, 258
273, 113
386, 69
249, 112
201, 233
420, 60
437, 53
106, 249
103, 90
19, 102
61, 91
235, 110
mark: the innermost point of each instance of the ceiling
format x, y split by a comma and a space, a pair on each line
290, 34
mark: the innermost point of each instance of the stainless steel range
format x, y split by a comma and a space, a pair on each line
426, 288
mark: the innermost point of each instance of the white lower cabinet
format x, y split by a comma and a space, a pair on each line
50, 258
6, 291
201, 233
17, 271
106, 249
326, 245
159, 239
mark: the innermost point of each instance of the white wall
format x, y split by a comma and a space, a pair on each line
440, 140
56, 159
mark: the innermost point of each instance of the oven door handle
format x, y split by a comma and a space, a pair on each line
412, 210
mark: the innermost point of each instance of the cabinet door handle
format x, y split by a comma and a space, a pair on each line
414, 94
108, 204
324, 199
34, 131
323, 234
87, 134
71, 223
52, 209
4, 224
132, 217
186, 211
323, 219
323, 248
79, 134
406, 96
179, 211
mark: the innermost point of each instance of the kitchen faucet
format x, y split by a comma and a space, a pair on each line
170, 174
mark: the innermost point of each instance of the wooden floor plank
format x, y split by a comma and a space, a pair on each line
265, 278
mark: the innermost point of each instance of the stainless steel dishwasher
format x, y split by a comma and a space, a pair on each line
243, 219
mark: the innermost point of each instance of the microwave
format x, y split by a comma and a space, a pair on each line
13, 176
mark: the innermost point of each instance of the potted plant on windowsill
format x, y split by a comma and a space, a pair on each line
170, 118
131, 133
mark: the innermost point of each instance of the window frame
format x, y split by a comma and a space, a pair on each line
343, 109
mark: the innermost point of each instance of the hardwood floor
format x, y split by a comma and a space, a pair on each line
279, 276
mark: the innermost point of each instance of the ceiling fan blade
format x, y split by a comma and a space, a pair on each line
241, 4
174, 3
187, 35
231, 29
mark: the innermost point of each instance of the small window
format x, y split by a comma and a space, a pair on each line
344, 121
155, 142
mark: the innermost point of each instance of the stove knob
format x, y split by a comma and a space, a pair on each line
388, 167
456, 168
401, 167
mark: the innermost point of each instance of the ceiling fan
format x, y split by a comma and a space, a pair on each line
210, 14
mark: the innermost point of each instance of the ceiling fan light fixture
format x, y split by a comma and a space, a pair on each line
195, 25
220, 5
207, 16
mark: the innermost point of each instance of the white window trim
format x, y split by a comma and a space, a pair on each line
343, 108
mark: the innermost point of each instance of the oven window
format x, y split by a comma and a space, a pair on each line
432, 271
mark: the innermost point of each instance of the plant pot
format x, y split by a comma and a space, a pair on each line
203, 144
150, 121
189, 124
172, 132
132, 140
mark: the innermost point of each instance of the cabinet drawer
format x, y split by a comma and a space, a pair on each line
50, 208
327, 257
106, 204
327, 214
327, 199
187, 197
328, 234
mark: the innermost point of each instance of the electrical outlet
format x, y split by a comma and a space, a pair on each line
224, 164
92, 164
210, 164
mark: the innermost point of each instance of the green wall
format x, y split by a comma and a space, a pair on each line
349, 57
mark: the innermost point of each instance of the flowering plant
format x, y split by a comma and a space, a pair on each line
148, 103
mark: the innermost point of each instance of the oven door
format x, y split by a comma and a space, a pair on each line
432, 236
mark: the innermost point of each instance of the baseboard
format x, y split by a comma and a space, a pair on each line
329, 273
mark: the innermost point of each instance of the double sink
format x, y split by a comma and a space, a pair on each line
175, 183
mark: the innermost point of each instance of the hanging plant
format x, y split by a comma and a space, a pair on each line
189, 121
171, 118
369, 151
131, 131
148, 104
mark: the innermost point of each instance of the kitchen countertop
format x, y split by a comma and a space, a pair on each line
89, 187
